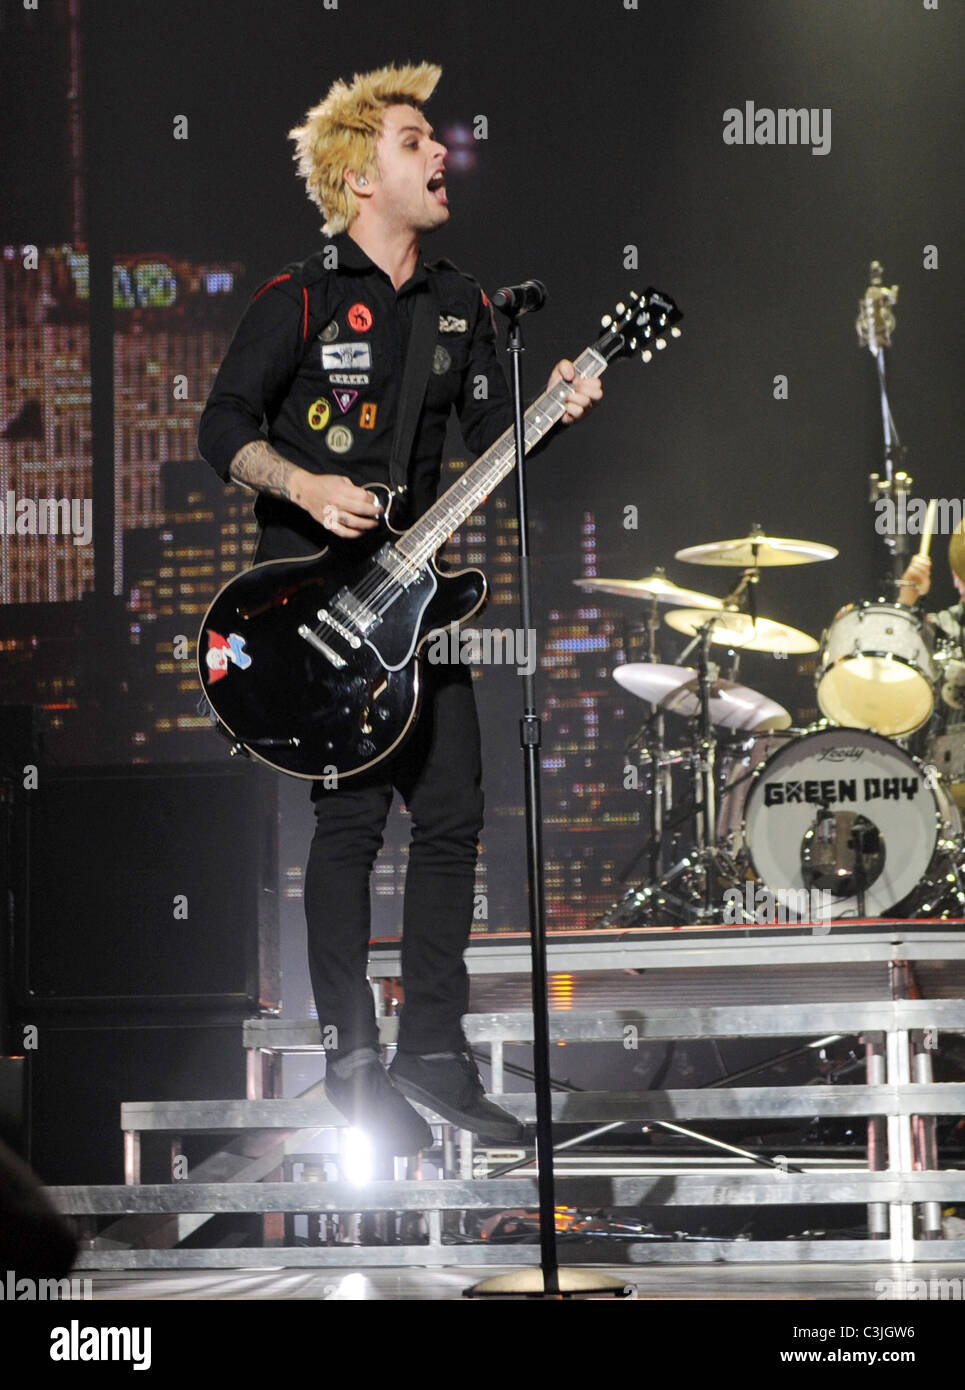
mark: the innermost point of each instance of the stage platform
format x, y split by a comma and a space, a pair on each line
897, 987
858, 1282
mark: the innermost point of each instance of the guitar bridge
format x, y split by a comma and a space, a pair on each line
313, 639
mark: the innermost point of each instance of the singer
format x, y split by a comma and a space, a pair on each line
320, 354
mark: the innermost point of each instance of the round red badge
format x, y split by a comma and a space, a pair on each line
360, 318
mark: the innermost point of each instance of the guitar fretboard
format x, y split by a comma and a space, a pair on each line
472, 487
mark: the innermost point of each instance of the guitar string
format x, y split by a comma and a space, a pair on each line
551, 406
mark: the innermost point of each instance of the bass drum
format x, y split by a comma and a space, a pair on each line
836, 797
876, 669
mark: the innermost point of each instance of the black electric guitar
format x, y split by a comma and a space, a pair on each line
312, 664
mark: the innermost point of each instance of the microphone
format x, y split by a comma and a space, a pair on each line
520, 299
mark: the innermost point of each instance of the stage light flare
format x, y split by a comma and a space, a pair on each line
356, 1157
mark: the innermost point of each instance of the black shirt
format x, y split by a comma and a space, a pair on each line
319, 356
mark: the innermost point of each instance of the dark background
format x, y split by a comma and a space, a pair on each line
605, 128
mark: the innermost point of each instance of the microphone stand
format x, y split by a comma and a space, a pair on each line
549, 1281
875, 324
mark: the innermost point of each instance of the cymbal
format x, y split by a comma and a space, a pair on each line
733, 629
757, 549
676, 689
654, 586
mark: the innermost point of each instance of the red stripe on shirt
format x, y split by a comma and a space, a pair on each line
305, 325
276, 280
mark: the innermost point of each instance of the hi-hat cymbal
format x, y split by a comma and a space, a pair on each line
733, 629
654, 586
757, 549
676, 688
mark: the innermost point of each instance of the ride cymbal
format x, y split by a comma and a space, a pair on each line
757, 550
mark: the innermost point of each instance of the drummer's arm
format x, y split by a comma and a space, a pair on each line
916, 581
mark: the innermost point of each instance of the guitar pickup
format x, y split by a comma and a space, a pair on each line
313, 639
355, 611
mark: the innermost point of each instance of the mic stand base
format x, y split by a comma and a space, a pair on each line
573, 1283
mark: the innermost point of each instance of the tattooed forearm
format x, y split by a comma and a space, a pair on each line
257, 465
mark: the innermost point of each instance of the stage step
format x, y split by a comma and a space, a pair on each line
627, 1026
577, 1108
771, 1188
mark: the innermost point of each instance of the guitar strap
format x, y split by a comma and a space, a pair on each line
415, 379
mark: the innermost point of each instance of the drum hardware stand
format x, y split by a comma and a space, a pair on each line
648, 740
661, 786
864, 840
706, 768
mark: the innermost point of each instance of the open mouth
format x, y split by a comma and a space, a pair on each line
437, 187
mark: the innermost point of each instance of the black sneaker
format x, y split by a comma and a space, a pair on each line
448, 1083
366, 1096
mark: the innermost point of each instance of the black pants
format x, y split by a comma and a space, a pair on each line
437, 772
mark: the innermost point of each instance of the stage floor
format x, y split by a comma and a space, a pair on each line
871, 1282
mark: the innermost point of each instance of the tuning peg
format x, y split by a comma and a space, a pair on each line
647, 355
675, 332
605, 321
621, 308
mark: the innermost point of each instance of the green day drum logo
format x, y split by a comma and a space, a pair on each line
841, 791
224, 652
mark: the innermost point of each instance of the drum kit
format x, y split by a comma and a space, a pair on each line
858, 807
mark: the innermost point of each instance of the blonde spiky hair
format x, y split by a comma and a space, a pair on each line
342, 131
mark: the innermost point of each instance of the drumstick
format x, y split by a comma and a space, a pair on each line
926, 530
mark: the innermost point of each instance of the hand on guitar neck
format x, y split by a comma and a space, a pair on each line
586, 391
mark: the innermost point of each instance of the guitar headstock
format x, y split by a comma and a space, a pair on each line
643, 324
